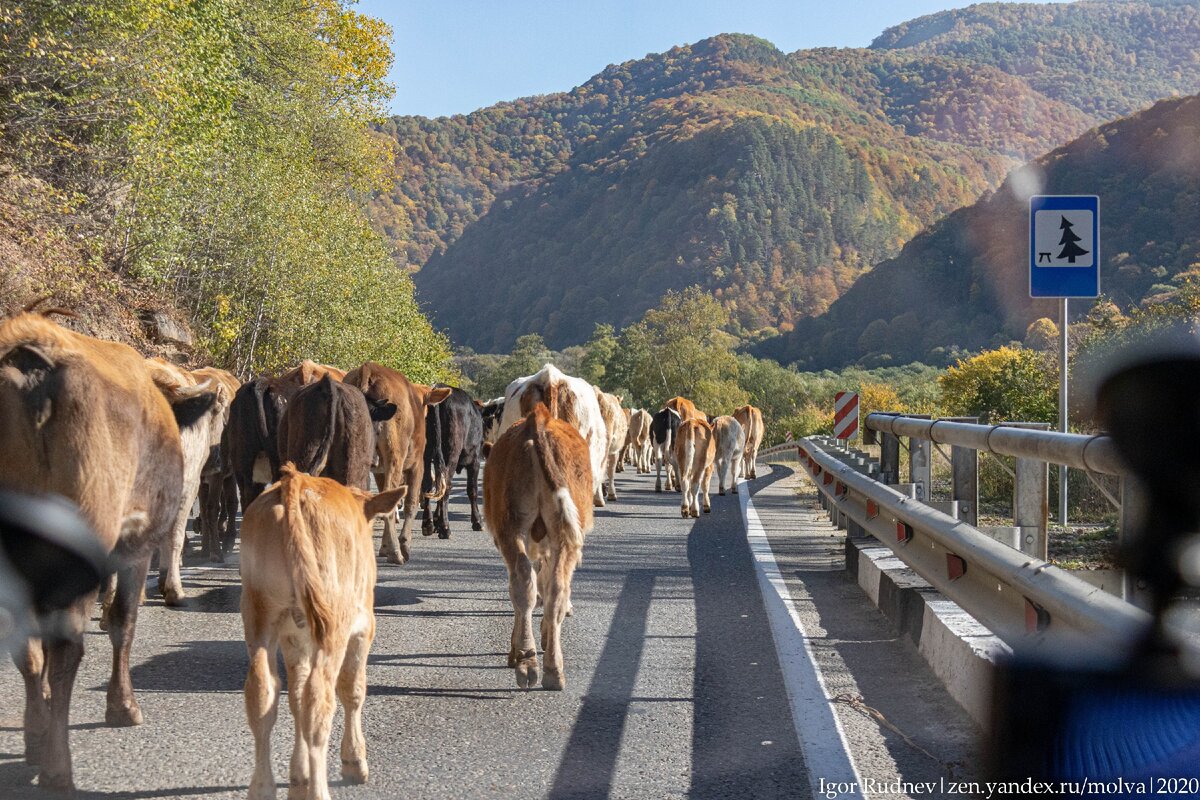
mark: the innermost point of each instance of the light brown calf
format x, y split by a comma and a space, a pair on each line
537, 500
199, 441
730, 440
640, 441
616, 425
695, 452
84, 419
400, 442
308, 587
750, 418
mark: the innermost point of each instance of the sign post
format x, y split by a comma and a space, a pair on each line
845, 415
1064, 262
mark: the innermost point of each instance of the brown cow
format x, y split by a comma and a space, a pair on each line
751, 420
685, 408
218, 489
400, 443
199, 440
328, 429
639, 440
616, 425
537, 500
308, 586
626, 446
695, 452
84, 418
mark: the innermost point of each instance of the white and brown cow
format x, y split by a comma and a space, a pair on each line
577, 406
308, 588
730, 441
199, 441
751, 420
537, 492
85, 419
616, 425
695, 452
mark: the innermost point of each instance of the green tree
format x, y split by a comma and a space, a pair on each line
1004, 385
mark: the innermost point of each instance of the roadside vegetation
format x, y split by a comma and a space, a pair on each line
215, 159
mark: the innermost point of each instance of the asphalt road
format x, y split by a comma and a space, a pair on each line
674, 687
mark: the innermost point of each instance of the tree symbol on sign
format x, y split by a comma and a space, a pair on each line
1070, 251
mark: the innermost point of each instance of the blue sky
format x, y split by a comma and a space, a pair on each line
455, 56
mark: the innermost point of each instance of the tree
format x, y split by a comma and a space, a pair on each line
1004, 385
1041, 335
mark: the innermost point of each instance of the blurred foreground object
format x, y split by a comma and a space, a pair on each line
1126, 723
49, 557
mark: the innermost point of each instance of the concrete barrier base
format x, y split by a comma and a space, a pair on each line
961, 652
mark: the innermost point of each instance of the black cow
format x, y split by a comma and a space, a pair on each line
453, 442
328, 431
251, 437
663, 426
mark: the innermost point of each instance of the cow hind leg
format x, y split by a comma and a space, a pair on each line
556, 602
442, 515
62, 655
318, 710
706, 488
122, 707
31, 661
472, 495
411, 501
426, 518
262, 704
296, 658
352, 691
612, 478
522, 653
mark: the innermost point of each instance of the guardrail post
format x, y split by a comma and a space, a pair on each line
920, 464
964, 471
889, 459
1031, 499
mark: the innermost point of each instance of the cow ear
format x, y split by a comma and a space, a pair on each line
487, 449
437, 395
189, 403
383, 503
478, 404
382, 412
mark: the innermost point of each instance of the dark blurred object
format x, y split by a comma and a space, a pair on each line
1127, 721
49, 556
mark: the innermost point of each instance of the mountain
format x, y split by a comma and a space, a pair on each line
964, 282
773, 180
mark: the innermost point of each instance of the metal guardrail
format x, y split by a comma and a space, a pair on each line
1013, 593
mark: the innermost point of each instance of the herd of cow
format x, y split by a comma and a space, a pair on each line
136, 442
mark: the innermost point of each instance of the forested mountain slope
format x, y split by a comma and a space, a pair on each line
964, 283
772, 180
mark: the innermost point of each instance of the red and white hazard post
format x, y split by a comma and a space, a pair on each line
845, 415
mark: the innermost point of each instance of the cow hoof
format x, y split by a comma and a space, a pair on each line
734, 490
708, 509
570, 612
393, 557
612, 497
527, 673
216, 558
123, 716
173, 597
658, 488
355, 772
444, 535
56, 782
553, 681
475, 526
427, 531
684, 513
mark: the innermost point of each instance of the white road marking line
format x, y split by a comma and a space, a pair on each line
822, 740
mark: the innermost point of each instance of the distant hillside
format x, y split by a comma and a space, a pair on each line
772, 180
964, 282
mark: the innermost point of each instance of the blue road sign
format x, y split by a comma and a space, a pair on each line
1064, 246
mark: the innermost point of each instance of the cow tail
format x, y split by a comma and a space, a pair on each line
568, 512
307, 587
320, 459
260, 406
689, 451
